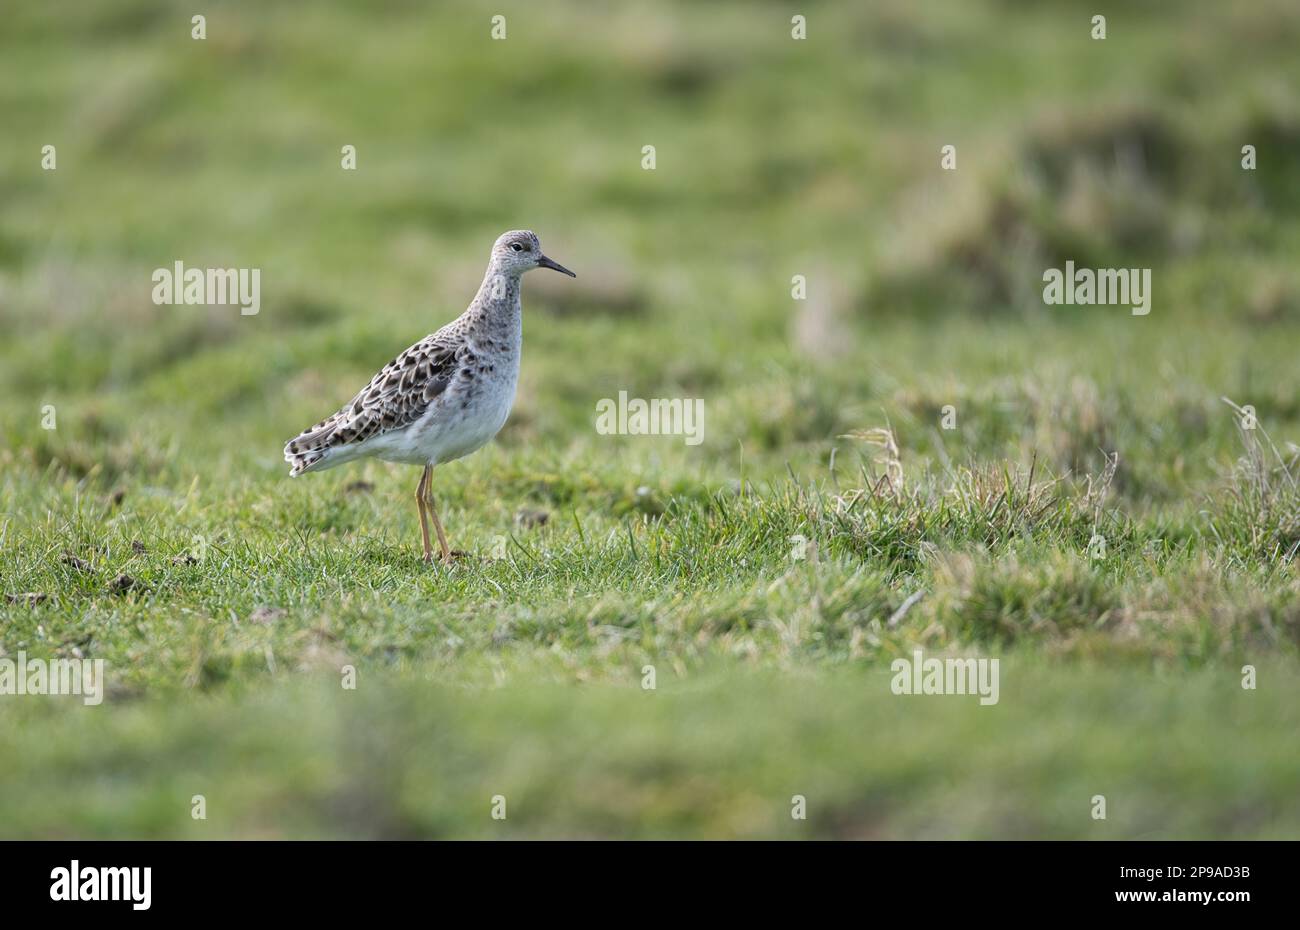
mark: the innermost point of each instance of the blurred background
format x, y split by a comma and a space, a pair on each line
774, 158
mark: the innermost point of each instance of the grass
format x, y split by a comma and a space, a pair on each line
1176, 756
1098, 518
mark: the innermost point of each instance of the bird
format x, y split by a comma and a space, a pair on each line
445, 396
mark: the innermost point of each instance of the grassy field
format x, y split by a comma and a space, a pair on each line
1097, 517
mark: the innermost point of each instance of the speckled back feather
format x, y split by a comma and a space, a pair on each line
397, 396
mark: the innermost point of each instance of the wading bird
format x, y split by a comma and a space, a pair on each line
442, 398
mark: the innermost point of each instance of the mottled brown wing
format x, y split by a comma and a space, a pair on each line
396, 397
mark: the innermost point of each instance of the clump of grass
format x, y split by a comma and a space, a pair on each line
1098, 187
1258, 511
1042, 595
989, 505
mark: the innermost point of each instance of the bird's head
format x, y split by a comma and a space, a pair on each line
520, 250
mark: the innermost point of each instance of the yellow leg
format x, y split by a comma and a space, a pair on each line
421, 491
437, 524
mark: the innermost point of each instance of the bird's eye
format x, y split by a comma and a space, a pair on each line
516, 246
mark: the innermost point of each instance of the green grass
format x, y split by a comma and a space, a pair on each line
518, 670
1175, 756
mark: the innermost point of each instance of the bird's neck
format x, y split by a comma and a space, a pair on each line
497, 304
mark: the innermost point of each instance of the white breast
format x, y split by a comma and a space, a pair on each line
460, 420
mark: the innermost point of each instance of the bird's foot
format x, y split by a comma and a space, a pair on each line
450, 558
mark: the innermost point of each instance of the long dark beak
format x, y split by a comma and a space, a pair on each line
544, 262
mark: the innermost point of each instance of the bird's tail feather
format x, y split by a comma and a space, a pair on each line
307, 450
302, 462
